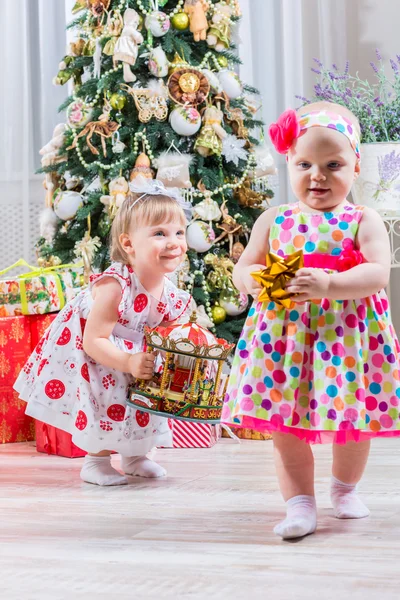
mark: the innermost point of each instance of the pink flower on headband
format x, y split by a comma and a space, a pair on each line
284, 131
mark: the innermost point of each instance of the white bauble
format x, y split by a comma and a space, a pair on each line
185, 120
66, 205
234, 306
157, 23
200, 236
158, 62
231, 83
78, 114
213, 80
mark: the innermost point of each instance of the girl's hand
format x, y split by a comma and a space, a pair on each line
253, 288
141, 364
309, 284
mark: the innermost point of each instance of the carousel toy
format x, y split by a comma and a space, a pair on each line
190, 385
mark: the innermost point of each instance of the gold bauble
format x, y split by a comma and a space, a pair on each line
223, 61
41, 262
118, 101
189, 83
218, 314
176, 64
180, 21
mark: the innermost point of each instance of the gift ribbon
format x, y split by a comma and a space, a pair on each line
38, 272
274, 278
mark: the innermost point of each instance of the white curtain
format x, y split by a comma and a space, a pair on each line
31, 45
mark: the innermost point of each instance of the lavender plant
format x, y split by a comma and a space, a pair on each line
376, 105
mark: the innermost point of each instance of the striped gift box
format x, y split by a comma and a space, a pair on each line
194, 435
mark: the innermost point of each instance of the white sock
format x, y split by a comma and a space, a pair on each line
98, 470
301, 518
141, 466
346, 503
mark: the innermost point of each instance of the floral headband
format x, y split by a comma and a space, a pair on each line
154, 187
289, 127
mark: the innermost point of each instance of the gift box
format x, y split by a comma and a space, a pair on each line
15, 349
51, 440
193, 435
40, 291
39, 324
247, 434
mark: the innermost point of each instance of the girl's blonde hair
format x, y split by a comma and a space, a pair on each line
148, 211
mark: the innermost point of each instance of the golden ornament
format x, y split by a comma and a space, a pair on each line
237, 251
223, 61
118, 101
149, 103
274, 278
142, 167
218, 314
189, 82
176, 64
180, 21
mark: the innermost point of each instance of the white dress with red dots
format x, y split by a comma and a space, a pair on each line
65, 388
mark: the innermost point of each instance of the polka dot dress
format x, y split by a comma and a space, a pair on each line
326, 370
65, 388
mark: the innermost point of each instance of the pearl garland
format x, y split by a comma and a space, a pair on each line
99, 93
142, 135
171, 14
185, 65
223, 3
191, 278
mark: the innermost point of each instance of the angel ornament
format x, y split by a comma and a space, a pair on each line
126, 47
208, 209
212, 133
230, 228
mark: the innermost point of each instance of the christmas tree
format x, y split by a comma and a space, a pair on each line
154, 93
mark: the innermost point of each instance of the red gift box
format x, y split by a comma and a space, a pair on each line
51, 440
15, 349
193, 435
39, 324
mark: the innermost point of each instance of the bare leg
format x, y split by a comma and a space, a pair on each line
294, 462
349, 462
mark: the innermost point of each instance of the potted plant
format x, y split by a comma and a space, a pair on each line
377, 107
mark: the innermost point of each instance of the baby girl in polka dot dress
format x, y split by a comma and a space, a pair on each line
77, 379
326, 369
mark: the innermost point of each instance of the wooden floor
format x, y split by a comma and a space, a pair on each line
204, 532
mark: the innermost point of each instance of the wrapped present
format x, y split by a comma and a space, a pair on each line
42, 290
51, 440
39, 324
193, 435
15, 349
247, 434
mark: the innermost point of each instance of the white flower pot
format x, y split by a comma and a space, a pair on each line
378, 185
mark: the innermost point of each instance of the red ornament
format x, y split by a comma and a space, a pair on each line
116, 412
81, 420
65, 337
349, 258
141, 301
54, 389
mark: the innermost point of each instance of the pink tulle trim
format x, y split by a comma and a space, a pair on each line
313, 436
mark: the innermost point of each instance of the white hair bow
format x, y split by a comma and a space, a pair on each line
154, 187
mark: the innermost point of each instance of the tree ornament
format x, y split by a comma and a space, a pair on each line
78, 114
233, 149
181, 274
237, 251
177, 64
264, 162
218, 314
207, 209
126, 47
78, 6
117, 146
233, 302
229, 226
180, 21
104, 225
185, 120
219, 33
200, 236
220, 277
76, 48
231, 83
118, 100
173, 169
188, 87
118, 190
66, 204
223, 61
151, 101
115, 25
216, 87
248, 197
103, 128
142, 167
158, 62
157, 23
212, 133
98, 7
197, 12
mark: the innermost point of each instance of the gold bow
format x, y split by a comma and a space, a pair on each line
274, 278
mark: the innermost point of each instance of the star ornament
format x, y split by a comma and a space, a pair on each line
274, 278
